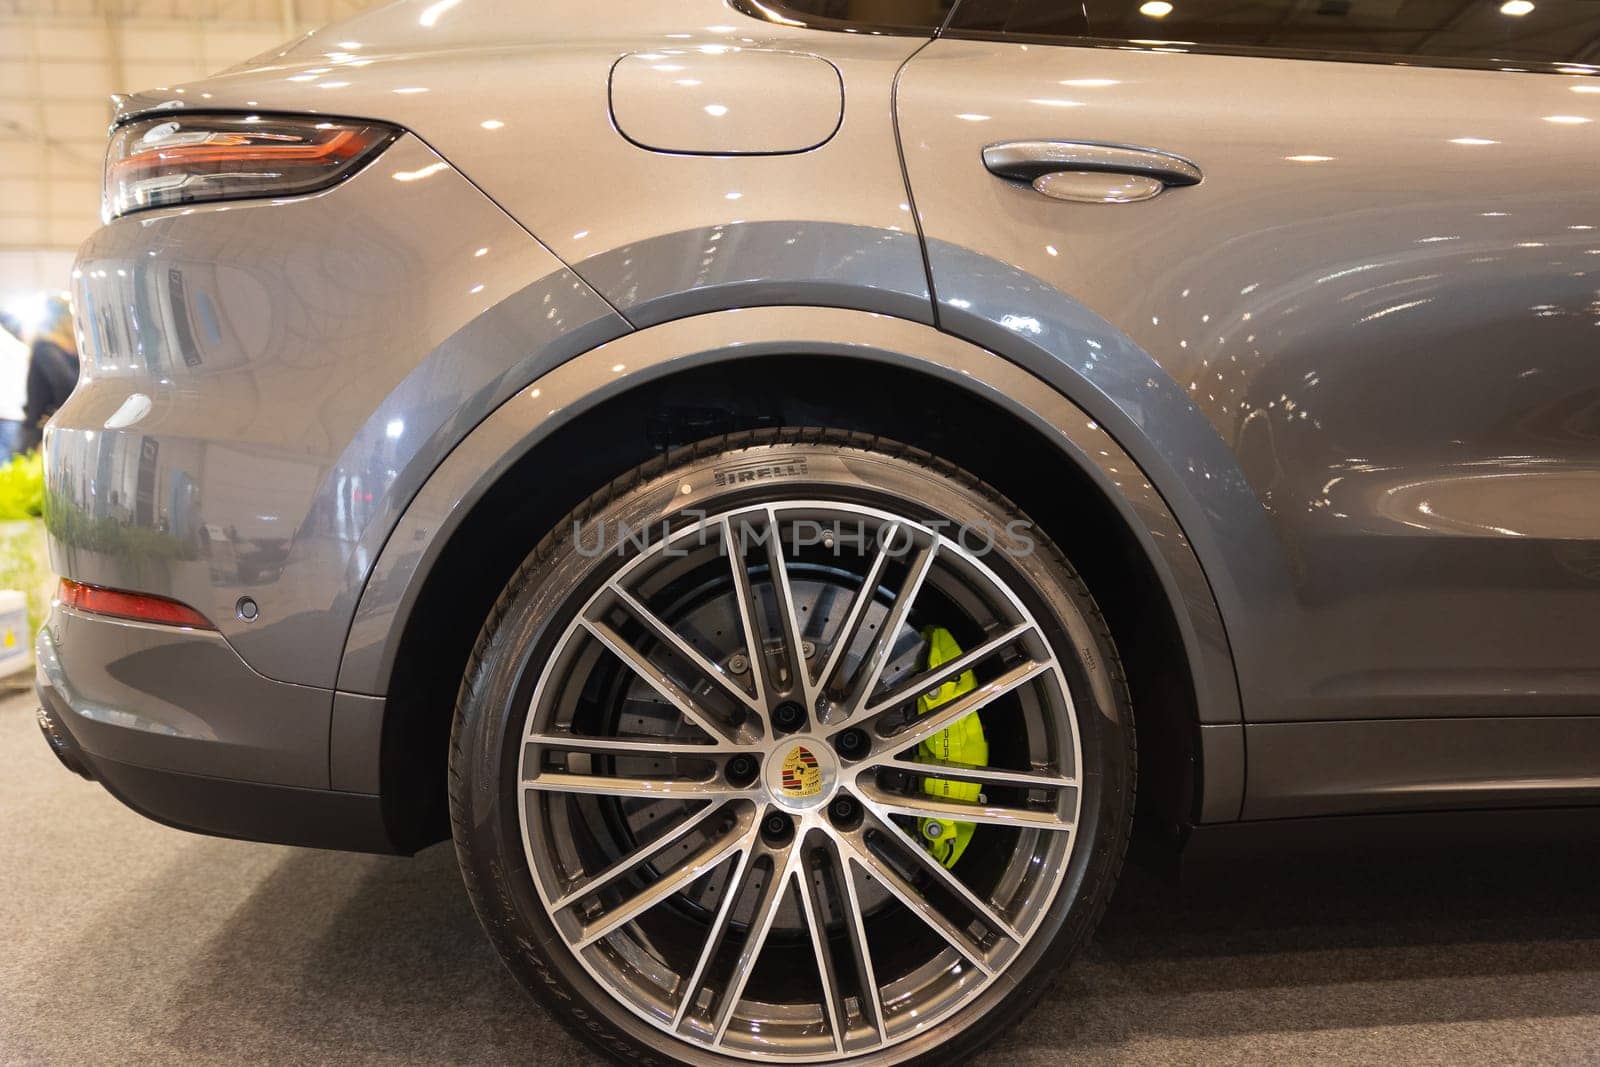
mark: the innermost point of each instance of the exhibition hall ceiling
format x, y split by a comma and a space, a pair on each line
59, 62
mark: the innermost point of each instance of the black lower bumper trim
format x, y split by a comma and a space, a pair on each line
252, 811
59, 739
314, 818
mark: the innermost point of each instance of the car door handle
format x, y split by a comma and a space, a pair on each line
1089, 173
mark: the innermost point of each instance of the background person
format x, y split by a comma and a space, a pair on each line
52, 370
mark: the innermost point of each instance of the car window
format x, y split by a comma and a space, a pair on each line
1426, 31
869, 16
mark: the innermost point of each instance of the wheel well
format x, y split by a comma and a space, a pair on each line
626, 430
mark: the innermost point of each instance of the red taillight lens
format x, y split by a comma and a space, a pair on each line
184, 159
136, 606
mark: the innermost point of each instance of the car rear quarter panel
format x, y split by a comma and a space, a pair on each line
518, 96
265, 385
296, 368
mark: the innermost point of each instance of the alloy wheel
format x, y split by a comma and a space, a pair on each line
728, 795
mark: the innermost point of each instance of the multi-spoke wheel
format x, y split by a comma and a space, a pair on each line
797, 750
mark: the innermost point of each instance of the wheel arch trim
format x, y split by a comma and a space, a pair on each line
567, 392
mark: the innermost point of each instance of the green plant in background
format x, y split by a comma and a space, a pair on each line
24, 559
22, 487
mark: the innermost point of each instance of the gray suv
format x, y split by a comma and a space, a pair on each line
789, 485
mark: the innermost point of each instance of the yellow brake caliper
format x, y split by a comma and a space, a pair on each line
961, 742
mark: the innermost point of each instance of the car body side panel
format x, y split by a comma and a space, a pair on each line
266, 384
516, 95
1363, 345
1034, 324
723, 265
1300, 769
569, 391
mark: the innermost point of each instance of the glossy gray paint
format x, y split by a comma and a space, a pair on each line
1302, 769
1357, 357
1341, 388
673, 233
267, 384
180, 701
711, 268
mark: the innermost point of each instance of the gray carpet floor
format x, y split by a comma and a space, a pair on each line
125, 942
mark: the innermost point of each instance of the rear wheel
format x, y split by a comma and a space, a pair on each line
794, 747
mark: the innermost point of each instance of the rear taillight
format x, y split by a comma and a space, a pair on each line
186, 159
139, 607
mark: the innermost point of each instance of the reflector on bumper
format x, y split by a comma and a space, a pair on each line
136, 606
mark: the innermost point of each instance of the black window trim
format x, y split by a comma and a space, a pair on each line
766, 10
1572, 69
779, 12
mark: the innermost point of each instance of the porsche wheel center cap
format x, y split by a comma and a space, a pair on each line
802, 775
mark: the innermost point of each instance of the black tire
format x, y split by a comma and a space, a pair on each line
541, 598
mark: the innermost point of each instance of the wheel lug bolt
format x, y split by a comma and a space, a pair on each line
844, 812
741, 770
788, 716
777, 828
852, 743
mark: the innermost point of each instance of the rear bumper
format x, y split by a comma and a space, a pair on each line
56, 735
177, 727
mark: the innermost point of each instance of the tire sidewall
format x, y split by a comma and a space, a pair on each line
557, 580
